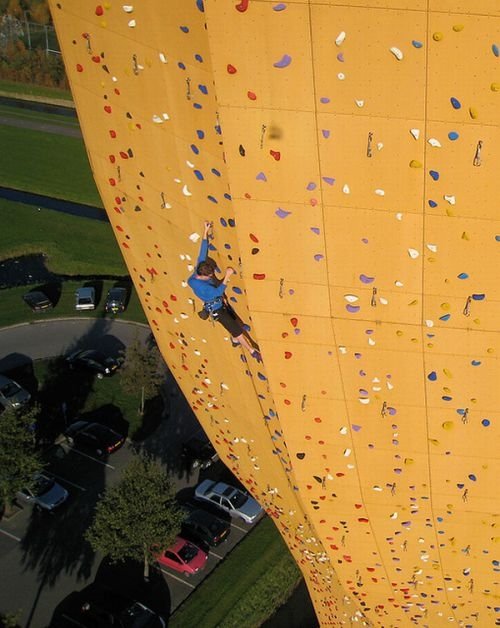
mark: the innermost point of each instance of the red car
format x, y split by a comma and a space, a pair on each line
184, 556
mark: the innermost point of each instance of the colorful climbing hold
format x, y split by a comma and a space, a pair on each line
284, 62
455, 103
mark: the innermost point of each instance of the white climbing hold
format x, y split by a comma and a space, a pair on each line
415, 133
185, 191
383, 301
379, 192
190, 165
397, 53
346, 189
360, 103
190, 267
434, 142
194, 237
132, 24
432, 247
184, 284
394, 515
377, 488
343, 430
450, 198
429, 323
347, 452
224, 386
351, 298
380, 146
177, 180
165, 116
157, 119
343, 349
399, 216
389, 385
128, 8
413, 253
398, 284
371, 342
340, 38
114, 79
163, 58
363, 400
341, 76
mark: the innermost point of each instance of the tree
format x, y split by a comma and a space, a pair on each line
140, 371
138, 517
19, 461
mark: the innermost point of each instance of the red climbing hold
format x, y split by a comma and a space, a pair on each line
112, 181
99, 10
107, 108
317, 419
79, 68
112, 159
294, 322
112, 134
259, 276
96, 59
254, 238
251, 95
288, 355
123, 154
242, 6
276, 154
231, 69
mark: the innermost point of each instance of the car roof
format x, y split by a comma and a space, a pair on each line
202, 516
35, 294
117, 290
85, 291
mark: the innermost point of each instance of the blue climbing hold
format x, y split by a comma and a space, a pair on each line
195, 149
223, 222
485, 422
198, 175
181, 65
455, 103
476, 362
432, 376
215, 172
417, 44
184, 29
198, 58
497, 238
199, 4
432, 203
478, 297
200, 134
231, 222
453, 135
445, 317
472, 477
496, 50
463, 276
203, 89
434, 174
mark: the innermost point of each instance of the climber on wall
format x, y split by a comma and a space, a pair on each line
211, 291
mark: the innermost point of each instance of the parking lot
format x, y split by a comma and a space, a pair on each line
44, 557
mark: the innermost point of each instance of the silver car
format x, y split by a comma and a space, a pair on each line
11, 394
85, 299
232, 500
45, 494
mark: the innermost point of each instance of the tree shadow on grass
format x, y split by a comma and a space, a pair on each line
151, 419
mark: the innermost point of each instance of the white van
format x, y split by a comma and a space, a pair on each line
85, 299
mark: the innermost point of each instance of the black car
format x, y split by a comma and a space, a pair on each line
96, 607
205, 527
38, 301
116, 300
94, 437
198, 451
95, 361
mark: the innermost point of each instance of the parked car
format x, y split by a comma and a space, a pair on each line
205, 528
235, 502
38, 301
198, 451
184, 556
95, 361
99, 607
94, 437
116, 300
11, 394
45, 493
85, 298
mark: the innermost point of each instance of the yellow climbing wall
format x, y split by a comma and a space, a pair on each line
347, 153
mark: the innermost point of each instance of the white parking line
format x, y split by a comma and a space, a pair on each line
105, 464
171, 575
68, 482
238, 528
16, 538
216, 555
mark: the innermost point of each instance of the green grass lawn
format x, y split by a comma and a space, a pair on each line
246, 588
35, 91
73, 245
19, 113
46, 163
85, 393
14, 310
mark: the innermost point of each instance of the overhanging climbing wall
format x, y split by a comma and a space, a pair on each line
348, 156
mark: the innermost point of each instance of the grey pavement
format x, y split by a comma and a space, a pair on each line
49, 338
36, 125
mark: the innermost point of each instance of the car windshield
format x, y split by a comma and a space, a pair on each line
9, 390
238, 499
85, 300
42, 485
135, 616
188, 552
